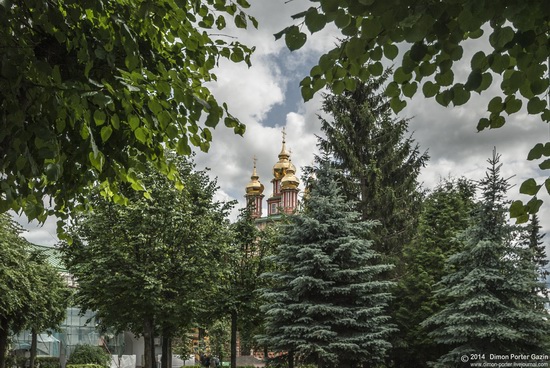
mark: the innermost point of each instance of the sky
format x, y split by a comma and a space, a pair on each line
266, 98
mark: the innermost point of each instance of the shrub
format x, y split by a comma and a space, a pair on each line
84, 366
89, 354
47, 362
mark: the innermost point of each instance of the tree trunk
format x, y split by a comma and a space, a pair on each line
34, 343
166, 360
148, 344
3, 341
266, 354
290, 359
234, 339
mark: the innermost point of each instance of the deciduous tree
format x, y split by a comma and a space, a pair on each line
151, 267
91, 89
434, 36
33, 294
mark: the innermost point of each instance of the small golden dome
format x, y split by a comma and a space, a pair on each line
280, 168
290, 181
254, 187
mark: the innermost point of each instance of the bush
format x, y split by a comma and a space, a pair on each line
89, 354
84, 366
47, 362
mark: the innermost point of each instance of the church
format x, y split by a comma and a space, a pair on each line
283, 199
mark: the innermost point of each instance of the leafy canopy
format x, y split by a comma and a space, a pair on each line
90, 90
163, 255
434, 35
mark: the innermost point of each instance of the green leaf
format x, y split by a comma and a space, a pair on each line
106, 132
390, 51
307, 93
97, 160
401, 77
501, 36
479, 61
56, 74
547, 185
397, 104
52, 172
392, 90
474, 80
486, 80
444, 98
315, 21
460, 95
240, 20
376, 69
545, 165
482, 124
329, 6
338, 87
418, 51
370, 28
539, 86
133, 121
141, 134
99, 117
535, 106
512, 105
154, 106
355, 48
517, 209
445, 78
409, 89
426, 69
495, 105
536, 152
529, 187
295, 39
430, 89
533, 205
496, 121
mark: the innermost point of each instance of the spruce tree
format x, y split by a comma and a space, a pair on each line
379, 163
532, 240
327, 304
447, 210
491, 306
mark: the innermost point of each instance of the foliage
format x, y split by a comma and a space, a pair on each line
491, 302
434, 35
84, 366
379, 165
446, 211
163, 255
89, 90
532, 240
89, 354
326, 304
53, 296
33, 294
246, 261
48, 362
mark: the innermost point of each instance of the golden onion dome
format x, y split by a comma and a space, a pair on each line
254, 187
280, 168
290, 181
